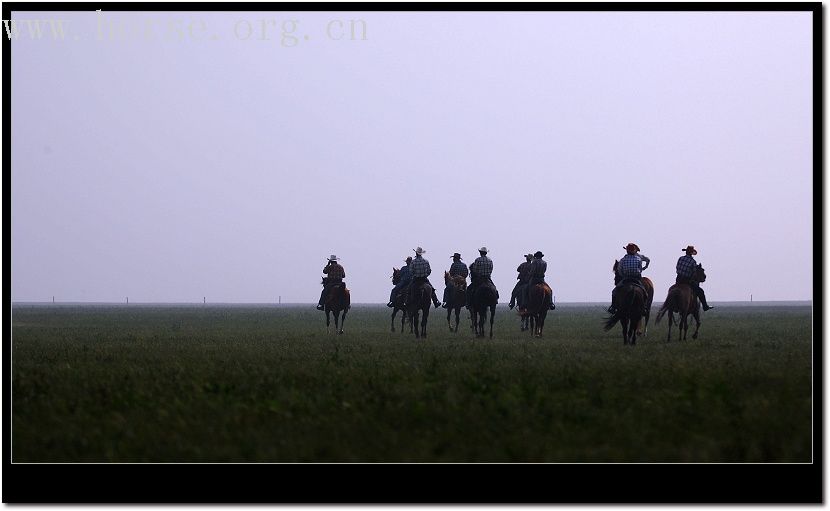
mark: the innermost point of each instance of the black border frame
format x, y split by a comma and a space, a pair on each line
429, 482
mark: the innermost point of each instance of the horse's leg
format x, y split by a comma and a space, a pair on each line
336, 321
328, 321
671, 320
424, 322
343, 320
457, 318
492, 318
449, 318
483, 320
394, 312
624, 324
696, 315
415, 317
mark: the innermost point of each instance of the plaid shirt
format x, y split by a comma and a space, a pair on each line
631, 265
686, 266
538, 267
524, 271
483, 267
458, 268
420, 267
334, 271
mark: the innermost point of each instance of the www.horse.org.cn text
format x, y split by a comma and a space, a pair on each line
287, 32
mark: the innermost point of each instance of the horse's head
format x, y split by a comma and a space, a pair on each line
617, 277
447, 277
700, 274
396, 275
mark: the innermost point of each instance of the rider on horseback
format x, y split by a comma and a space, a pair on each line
537, 275
406, 279
457, 269
524, 278
630, 268
420, 272
336, 274
480, 272
686, 267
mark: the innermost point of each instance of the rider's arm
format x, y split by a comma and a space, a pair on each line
646, 260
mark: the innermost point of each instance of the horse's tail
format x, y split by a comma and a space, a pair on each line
665, 307
610, 322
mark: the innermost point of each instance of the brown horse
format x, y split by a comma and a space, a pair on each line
456, 297
419, 301
682, 300
629, 312
539, 299
337, 300
399, 303
485, 296
649, 294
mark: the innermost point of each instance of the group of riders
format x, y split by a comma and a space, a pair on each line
417, 270
531, 272
631, 266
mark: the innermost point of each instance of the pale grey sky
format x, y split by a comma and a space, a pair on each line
169, 170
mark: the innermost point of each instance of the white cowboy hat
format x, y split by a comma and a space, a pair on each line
483, 249
419, 251
333, 258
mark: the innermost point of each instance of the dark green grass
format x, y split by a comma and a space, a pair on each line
249, 384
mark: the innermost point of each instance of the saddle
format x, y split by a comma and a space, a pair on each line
403, 292
332, 294
459, 281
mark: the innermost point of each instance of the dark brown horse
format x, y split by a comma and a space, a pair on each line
338, 300
419, 301
649, 292
539, 298
399, 302
455, 298
485, 296
682, 300
629, 313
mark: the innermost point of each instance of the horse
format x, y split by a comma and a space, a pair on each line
682, 299
486, 295
539, 300
336, 301
521, 306
629, 312
399, 302
419, 301
649, 293
456, 297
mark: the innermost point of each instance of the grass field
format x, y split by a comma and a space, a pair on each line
144, 383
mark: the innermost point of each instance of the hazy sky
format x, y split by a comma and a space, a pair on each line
231, 168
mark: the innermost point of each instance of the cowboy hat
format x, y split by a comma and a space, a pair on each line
632, 246
456, 255
419, 251
688, 249
333, 258
483, 249
539, 254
